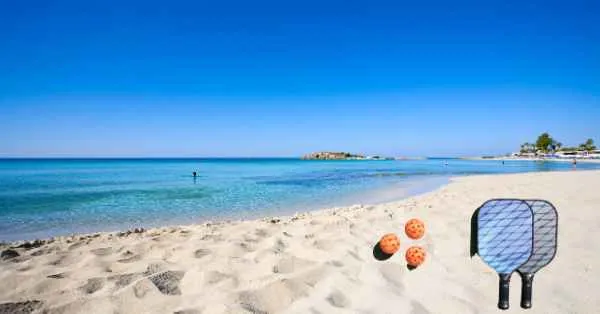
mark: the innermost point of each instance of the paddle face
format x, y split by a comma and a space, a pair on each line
545, 226
505, 234
545, 232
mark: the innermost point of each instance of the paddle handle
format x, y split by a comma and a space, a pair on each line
526, 287
504, 291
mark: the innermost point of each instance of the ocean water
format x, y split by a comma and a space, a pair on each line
48, 197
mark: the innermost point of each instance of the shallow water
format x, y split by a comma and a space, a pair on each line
47, 197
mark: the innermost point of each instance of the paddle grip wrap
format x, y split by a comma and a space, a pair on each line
504, 291
527, 285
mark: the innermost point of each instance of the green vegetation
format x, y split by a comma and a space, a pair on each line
588, 145
546, 143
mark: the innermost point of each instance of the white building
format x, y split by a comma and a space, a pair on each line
595, 154
579, 154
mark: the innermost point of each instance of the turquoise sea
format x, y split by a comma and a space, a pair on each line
47, 197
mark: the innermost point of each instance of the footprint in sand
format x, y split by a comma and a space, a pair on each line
102, 251
214, 277
261, 300
214, 237
323, 244
25, 268
336, 263
93, 285
246, 247
58, 276
44, 251
262, 233
250, 239
76, 245
154, 268
130, 259
251, 307
287, 290
28, 306
200, 253
124, 279
46, 286
235, 250
168, 282
338, 299
142, 287
62, 260
279, 246
418, 308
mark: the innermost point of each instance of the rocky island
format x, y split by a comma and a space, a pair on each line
332, 156
340, 156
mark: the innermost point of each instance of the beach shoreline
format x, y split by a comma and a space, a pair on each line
319, 260
390, 193
42, 199
373, 198
586, 160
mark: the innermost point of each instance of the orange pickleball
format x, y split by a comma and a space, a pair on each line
415, 256
414, 228
389, 244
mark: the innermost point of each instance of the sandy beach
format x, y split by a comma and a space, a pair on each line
318, 262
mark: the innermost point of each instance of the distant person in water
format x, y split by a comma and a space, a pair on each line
503, 162
194, 174
574, 161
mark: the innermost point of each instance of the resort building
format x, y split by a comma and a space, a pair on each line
594, 154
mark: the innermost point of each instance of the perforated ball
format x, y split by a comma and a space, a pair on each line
415, 256
389, 244
414, 228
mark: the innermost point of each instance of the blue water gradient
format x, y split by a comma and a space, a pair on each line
48, 197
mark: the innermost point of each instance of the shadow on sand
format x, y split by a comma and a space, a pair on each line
474, 244
379, 254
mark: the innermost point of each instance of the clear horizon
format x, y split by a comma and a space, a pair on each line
204, 157
271, 79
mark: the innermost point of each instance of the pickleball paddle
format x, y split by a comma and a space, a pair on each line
504, 239
545, 232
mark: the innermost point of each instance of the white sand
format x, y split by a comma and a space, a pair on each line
320, 262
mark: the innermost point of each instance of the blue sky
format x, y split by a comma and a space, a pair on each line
255, 78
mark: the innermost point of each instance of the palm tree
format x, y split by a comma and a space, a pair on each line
558, 146
589, 145
527, 147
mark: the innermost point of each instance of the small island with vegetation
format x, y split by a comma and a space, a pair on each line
340, 156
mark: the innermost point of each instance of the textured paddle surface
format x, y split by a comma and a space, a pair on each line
545, 224
505, 234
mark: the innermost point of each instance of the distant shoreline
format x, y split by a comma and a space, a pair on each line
531, 159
